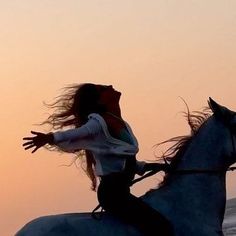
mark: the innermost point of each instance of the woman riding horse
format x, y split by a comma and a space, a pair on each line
109, 146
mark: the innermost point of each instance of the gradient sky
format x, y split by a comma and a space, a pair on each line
152, 51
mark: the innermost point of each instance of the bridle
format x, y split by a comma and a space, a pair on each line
196, 171
211, 171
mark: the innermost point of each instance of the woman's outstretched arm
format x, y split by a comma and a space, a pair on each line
67, 140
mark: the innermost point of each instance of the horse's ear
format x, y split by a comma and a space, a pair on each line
215, 107
220, 111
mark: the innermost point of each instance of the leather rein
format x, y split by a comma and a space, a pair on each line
195, 171
182, 172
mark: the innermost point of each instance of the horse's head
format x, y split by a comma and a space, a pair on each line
228, 119
212, 144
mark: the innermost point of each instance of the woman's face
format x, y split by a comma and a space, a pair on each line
108, 95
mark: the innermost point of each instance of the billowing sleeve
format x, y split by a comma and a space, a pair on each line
78, 138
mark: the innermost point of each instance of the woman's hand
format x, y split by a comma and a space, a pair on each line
36, 142
157, 167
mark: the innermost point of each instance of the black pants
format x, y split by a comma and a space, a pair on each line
115, 197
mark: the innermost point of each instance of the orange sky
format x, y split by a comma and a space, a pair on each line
152, 51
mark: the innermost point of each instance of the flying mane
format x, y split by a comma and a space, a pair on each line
174, 153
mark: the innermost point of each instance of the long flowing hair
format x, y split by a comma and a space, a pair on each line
174, 153
71, 109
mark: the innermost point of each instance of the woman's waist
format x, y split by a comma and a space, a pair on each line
114, 165
126, 174
117, 179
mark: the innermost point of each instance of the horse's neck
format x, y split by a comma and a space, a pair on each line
199, 188
201, 196
203, 153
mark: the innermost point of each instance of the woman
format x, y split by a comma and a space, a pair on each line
109, 147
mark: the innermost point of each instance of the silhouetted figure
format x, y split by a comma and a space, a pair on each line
98, 132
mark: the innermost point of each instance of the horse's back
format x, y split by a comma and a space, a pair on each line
72, 224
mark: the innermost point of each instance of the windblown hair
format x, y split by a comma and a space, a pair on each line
180, 143
71, 109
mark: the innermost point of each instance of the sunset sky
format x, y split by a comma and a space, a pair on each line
153, 51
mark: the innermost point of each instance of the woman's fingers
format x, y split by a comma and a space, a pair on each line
28, 138
36, 148
34, 132
35, 142
30, 146
28, 143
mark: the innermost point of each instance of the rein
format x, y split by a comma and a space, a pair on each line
182, 172
153, 172
186, 172
195, 171
203, 171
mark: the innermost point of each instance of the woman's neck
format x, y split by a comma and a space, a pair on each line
116, 111
114, 115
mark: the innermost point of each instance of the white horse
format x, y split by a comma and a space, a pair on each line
192, 198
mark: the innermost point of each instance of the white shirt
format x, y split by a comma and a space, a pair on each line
110, 154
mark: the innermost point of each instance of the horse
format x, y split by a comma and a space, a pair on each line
192, 196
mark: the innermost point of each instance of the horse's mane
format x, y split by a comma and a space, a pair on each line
175, 152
